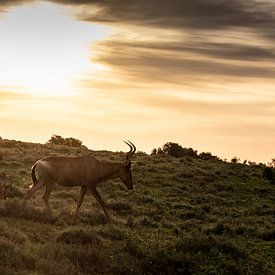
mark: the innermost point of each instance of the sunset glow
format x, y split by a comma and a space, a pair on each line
43, 51
199, 73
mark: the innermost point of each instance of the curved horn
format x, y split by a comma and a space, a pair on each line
128, 154
134, 147
131, 152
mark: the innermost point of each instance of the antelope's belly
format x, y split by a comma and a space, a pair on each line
69, 182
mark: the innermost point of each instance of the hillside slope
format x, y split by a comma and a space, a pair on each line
184, 216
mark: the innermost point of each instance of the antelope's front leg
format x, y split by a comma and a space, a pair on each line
46, 196
81, 195
101, 201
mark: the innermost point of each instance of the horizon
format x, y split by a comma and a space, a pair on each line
239, 160
199, 74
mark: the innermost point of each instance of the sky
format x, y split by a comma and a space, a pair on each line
199, 73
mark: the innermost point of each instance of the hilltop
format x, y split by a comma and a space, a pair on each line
185, 216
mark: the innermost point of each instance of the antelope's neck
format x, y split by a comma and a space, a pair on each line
108, 170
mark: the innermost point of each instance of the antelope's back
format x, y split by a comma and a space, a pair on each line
68, 171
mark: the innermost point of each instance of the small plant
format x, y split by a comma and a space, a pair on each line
8, 190
234, 160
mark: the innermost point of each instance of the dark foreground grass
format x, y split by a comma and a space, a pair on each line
184, 216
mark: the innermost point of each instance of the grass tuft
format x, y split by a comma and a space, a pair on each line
78, 236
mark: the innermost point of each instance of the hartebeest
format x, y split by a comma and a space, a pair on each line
86, 171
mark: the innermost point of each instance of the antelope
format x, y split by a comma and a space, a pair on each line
86, 172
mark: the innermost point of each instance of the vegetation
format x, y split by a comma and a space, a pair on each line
59, 140
176, 150
189, 214
269, 174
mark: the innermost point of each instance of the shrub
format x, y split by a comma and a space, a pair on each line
234, 160
269, 174
8, 190
175, 150
59, 140
12, 234
207, 156
13, 258
15, 208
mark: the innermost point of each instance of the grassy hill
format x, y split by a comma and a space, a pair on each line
184, 216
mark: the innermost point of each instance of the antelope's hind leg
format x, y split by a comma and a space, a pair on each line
34, 188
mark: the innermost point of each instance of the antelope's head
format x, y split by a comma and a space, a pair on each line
125, 172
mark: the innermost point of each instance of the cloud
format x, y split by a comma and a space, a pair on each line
210, 108
181, 14
184, 14
210, 39
182, 63
208, 36
217, 32
6, 3
7, 94
222, 50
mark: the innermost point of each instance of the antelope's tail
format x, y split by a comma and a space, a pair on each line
34, 179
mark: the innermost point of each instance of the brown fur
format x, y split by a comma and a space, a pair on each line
86, 172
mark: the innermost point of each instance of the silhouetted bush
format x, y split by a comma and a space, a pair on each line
234, 160
157, 151
175, 150
269, 174
207, 156
59, 140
